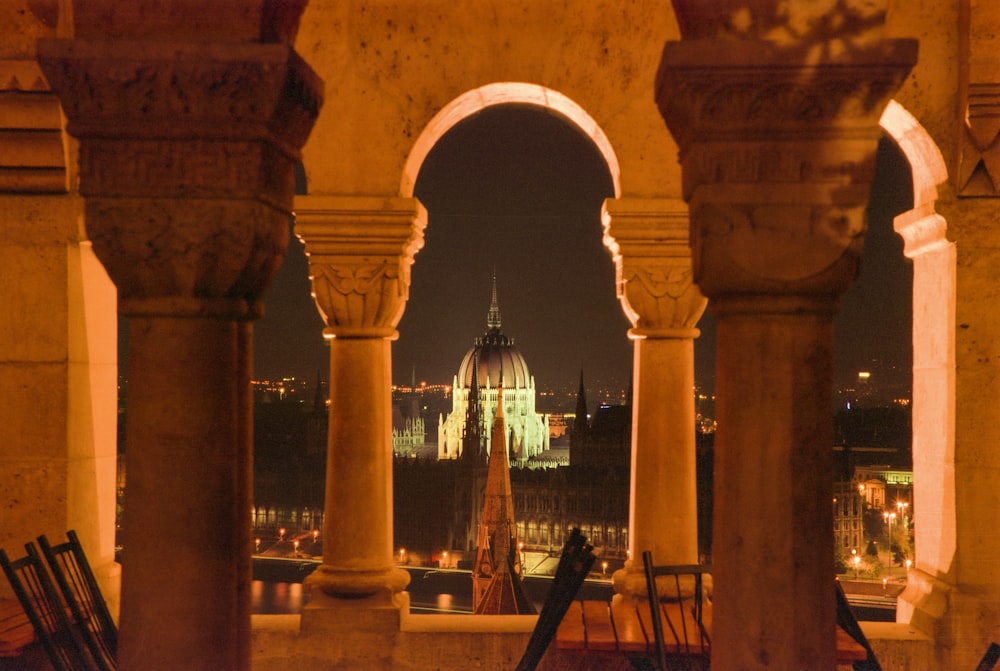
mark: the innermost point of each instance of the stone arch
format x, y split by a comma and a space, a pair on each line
934, 296
505, 93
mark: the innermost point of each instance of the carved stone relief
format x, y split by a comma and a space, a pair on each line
777, 167
187, 158
360, 253
648, 240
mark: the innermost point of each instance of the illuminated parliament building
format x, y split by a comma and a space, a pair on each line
494, 362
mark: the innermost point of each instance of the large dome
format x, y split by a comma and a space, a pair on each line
500, 364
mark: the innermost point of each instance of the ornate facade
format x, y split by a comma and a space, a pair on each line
492, 364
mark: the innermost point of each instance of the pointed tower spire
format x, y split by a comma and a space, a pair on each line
472, 440
578, 439
493, 317
414, 409
496, 575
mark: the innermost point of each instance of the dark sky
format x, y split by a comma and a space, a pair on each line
519, 191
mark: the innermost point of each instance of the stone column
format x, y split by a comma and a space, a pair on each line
58, 341
648, 239
360, 251
777, 144
187, 155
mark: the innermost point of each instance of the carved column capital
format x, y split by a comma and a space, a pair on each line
777, 147
187, 160
360, 252
648, 241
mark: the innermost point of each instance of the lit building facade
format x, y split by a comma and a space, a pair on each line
848, 518
497, 364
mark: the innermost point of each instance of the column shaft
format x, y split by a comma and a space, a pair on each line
663, 502
772, 547
359, 456
187, 569
358, 552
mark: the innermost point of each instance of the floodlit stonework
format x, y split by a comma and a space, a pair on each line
494, 363
149, 149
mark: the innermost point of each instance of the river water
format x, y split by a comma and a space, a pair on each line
431, 591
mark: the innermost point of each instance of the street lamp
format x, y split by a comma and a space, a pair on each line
889, 517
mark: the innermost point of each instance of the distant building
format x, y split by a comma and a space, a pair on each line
848, 518
497, 363
408, 433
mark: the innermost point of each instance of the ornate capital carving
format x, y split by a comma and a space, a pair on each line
33, 159
191, 120
187, 159
187, 258
648, 240
777, 147
360, 252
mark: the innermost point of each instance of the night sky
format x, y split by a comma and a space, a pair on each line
518, 191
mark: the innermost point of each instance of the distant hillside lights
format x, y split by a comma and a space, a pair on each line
285, 389
881, 385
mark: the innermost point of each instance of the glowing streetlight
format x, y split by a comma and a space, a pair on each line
857, 562
315, 534
256, 543
604, 568
295, 548
889, 517
901, 506
444, 559
281, 534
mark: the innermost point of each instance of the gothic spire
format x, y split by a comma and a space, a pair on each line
581, 404
493, 317
472, 440
496, 574
578, 437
